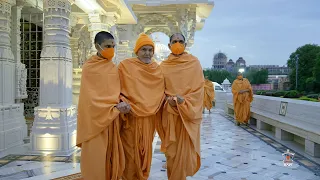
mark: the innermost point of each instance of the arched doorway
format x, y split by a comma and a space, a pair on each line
162, 50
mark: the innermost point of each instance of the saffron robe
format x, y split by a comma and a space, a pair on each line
142, 86
208, 94
241, 101
179, 128
98, 128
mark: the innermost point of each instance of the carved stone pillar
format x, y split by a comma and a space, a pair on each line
115, 34
12, 123
125, 49
191, 27
74, 49
21, 71
183, 22
80, 45
54, 127
187, 24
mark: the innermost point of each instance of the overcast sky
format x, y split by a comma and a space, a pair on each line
260, 31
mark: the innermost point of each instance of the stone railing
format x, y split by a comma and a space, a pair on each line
289, 119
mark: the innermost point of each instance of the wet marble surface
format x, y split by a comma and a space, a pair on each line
229, 152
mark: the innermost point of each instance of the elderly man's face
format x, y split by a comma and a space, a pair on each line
145, 54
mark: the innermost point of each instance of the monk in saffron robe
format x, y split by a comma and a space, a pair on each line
98, 128
142, 86
179, 128
208, 94
242, 97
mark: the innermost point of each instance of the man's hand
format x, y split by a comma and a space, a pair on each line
171, 101
180, 99
123, 107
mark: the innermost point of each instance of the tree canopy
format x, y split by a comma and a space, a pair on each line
308, 57
254, 76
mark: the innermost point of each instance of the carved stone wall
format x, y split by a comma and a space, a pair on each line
54, 127
183, 21
6, 56
81, 43
21, 71
12, 123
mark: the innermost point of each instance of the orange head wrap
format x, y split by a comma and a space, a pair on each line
142, 41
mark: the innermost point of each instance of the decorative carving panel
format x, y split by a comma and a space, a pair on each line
7, 66
21, 71
81, 45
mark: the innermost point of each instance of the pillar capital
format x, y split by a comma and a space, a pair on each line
110, 18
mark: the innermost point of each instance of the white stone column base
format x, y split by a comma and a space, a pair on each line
54, 131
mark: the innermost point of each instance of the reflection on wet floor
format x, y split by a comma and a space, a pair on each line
229, 152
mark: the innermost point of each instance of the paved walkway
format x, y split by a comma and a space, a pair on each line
229, 152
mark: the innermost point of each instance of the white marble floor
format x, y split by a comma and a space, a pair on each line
229, 152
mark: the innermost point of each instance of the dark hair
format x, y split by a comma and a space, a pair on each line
171, 37
102, 36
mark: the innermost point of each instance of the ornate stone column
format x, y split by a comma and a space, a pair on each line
21, 71
12, 124
80, 46
114, 32
54, 127
123, 50
187, 24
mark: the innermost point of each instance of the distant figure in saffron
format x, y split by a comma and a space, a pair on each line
98, 128
242, 97
142, 86
208, 94
179, 128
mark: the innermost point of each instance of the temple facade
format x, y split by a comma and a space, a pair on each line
43, 45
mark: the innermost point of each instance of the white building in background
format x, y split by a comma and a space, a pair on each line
43, 45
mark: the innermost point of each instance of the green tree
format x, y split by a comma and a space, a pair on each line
257, 76
307, 67
254, 76
216, 75
316, 74
261, 77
